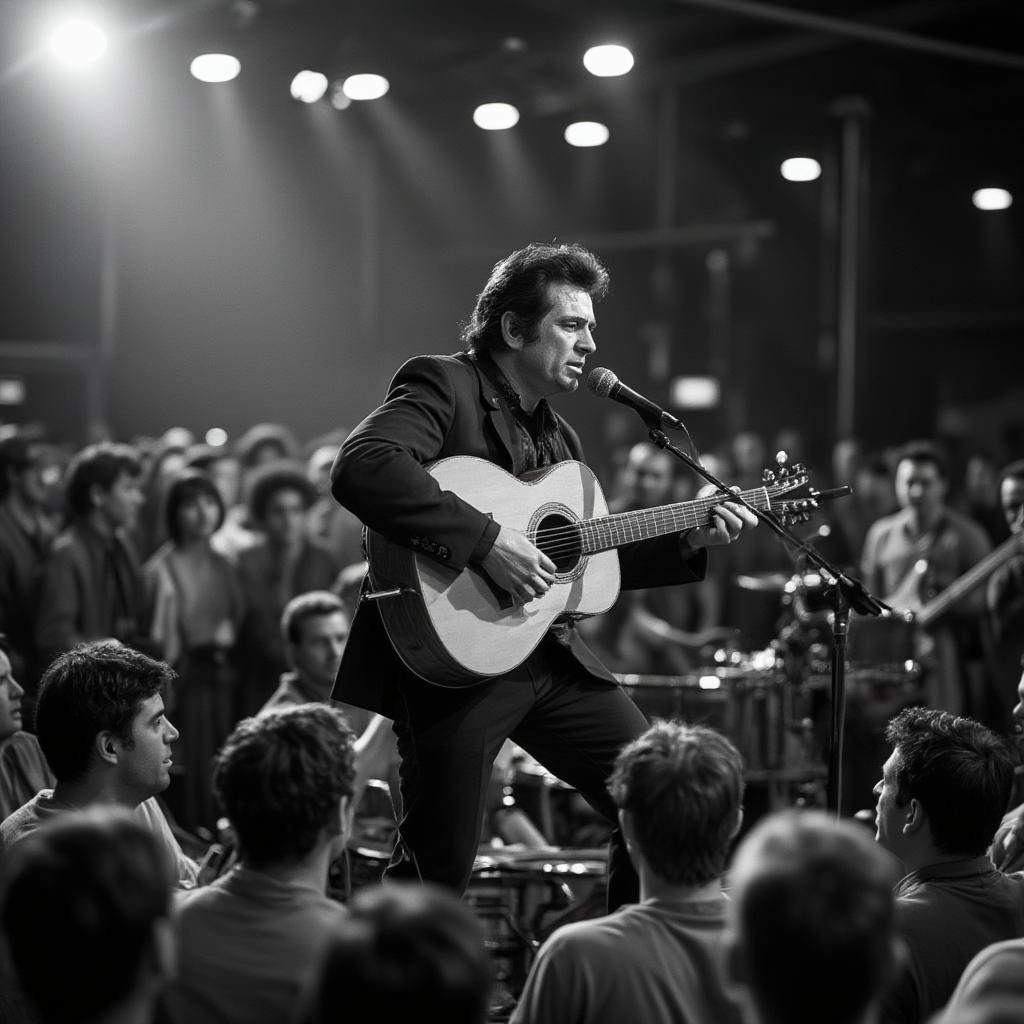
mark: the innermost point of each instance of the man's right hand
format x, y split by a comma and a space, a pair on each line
516, 565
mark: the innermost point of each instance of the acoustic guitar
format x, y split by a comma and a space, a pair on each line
455, 628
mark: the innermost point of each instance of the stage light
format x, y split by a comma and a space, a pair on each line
608, 60
365, 87
215, 67
586, 133
495, 116
308, 86
800, 168
216, 437
992, 199
78, 43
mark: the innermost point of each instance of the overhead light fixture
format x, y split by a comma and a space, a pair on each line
495, 116
215, 67
78, 43
992, 199
586, 133
309, 86
365, 87
608, 60
800, 168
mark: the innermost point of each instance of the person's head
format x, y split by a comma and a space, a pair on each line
318, 467
10, 694
811, 922
29, 471
649, 476
524, 289
102, 484
405, 952
193, 507
101, 710
280, 495
921, 479
944, 788
679, 792
221, 465
1011, 495
285, 780
266, 442
84, 906
314, 627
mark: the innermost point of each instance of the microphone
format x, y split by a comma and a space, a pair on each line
605, 384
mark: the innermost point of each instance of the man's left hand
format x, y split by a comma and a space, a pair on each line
728, 521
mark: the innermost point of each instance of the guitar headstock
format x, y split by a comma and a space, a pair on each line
785, 477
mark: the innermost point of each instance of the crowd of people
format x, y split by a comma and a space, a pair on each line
201, 687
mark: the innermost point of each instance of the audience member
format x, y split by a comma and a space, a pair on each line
943, 791
222, 466
991, 989
1007, 851
102, 728
283, 563
23, 769
161, 464
92, 585
84, 906
679, 790
249, 942
406, 952
328, 522
811, 921
197, 613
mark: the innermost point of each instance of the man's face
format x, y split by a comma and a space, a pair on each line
650, 474
145, 767
1011, 497
920, 486
284, 519
889, 816
37, 482
317, 655
119, 505
552, 359
10, 699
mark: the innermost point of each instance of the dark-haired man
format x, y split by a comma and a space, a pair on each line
529, 338
942, 794
103, 729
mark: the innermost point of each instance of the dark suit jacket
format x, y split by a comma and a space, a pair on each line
437, 407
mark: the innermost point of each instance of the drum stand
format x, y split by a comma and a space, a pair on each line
842, 593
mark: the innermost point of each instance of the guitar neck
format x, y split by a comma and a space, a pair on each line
614, 531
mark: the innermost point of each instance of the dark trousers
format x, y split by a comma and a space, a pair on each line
573, 724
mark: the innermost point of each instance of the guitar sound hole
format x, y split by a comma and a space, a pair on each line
559, 539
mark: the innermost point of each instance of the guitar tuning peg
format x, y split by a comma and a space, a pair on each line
782, 457
768, 476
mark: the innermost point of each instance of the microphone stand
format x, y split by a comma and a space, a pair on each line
842, 593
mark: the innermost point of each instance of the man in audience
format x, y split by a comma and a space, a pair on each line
678, 789
811, 921
84, 906
249, 942
92, 585
942, 794
102, 727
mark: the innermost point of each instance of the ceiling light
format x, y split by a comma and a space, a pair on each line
992, 199
215, 67
495, 116
586, 133
365, 87
78, 43
608, 61
800, 168
309, 86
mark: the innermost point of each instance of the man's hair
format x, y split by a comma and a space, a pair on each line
519, 285
683, 786
95, 687
267, 480
926, 452
1012, 471
959, 770
307, 606
279, 778
98, 465
405, 952
812, 913
80, 898
185, 487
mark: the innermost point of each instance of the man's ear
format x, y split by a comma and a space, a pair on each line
738, 825
512, 331
915, 817
107, 747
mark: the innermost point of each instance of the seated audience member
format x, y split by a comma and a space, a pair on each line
23, 769
84, 907
811, 921
942, 794
248, 942
91, 584
679, 792
407, 952
283, 563
101, 725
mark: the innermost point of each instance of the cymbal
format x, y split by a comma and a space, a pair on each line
765, 582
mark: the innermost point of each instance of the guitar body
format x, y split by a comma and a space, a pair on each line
454, 628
